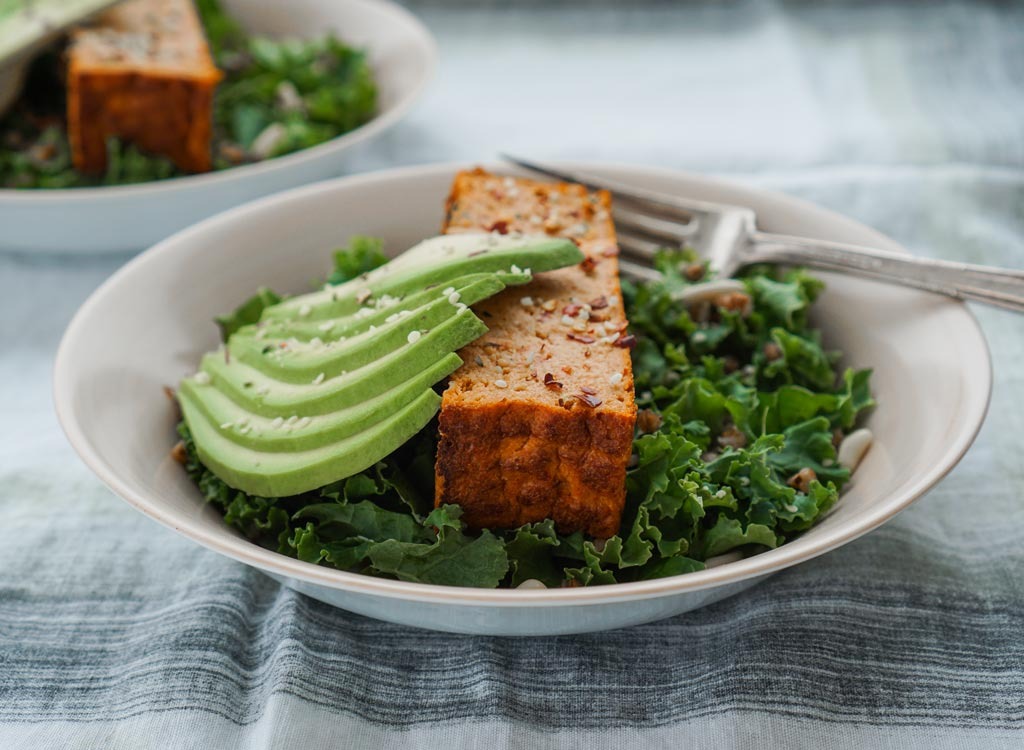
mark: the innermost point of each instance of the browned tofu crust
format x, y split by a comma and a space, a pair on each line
538, 423
143, 73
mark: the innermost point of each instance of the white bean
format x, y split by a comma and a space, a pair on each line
268, 139
531, 583
709, 290
853, 448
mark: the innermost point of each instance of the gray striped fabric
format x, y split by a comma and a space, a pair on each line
115, 633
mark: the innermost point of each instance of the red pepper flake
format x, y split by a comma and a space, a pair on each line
571, 310
627, 341
592, 401
501, 227
599, 304
550, 382
283, 345
588, 264
583, 339
589, 391
610, 252
475, 253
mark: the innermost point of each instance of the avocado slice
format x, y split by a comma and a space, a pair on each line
326, 384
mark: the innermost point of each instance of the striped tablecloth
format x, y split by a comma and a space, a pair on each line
115, 633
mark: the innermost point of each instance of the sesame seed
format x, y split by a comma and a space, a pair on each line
526, 301
549, 305
226, 425
515, 269
276, 424
454, 298
461, 307
202, 378
448, 290
791, 508
261, 333
292, 419
263, 390
305, 310
827, 462
245, 430
615, 378
500, 384
720, 494
318, 379
413, 337
528, 271
699, 337
579, 326
326, 326
316, 341
567, 320
304, 422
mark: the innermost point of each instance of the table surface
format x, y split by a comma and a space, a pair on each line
114, 632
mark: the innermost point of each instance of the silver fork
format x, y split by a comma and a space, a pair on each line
728, 238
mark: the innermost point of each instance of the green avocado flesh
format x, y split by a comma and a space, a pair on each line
326, 384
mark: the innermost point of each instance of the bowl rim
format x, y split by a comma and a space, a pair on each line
789, 554
383, 120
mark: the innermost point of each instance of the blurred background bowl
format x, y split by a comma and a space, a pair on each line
132, 217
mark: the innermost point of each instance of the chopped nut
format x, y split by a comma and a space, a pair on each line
550, 382
736, 302
772, 351
732, 437
589, 399
178, 453
648, 421
801, 481
694, 271
627, 341
582, 339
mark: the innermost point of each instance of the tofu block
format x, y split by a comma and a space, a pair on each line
538, 422
142, 72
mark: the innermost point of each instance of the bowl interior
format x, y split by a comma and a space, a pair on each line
148, 326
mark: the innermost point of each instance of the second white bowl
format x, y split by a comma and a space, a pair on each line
127, 218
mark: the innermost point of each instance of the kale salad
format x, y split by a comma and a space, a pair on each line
742, 408
276, 97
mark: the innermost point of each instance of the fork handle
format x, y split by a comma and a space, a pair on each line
1002, 287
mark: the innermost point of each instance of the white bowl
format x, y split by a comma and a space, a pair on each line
148, 325
132, 217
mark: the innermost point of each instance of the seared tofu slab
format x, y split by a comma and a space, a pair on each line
142, 72
538, 422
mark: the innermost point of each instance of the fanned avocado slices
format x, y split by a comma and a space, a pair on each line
326, 384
